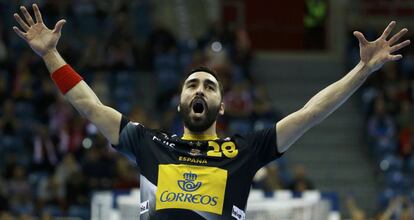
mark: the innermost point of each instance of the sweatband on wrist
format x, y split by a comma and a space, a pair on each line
66, 78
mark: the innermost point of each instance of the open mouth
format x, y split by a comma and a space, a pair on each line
198, 105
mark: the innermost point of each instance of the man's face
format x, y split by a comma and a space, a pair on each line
200, 101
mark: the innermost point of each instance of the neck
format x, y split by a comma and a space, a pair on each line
209, 134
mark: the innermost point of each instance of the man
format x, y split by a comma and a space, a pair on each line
199, 176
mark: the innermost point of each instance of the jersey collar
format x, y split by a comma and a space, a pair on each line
198, 137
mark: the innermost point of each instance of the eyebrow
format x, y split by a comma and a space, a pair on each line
210, 82
207, 81
192, 81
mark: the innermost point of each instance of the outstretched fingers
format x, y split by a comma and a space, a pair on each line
388, 30
59, 26
396, 48
400, 46
360, 37
19, 32
395, 57
28, 17
37, 13
21, 22
397, 36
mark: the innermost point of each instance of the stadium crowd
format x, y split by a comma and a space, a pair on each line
52, 160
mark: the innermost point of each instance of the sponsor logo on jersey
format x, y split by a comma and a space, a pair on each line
191, 187
144, 207
164, 142
188, 183
195, 152
238, 213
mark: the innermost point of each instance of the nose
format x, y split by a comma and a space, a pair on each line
200, 91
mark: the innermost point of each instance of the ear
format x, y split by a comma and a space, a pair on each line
221, 111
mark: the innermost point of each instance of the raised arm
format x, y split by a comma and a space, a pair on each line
43, 41
373, 56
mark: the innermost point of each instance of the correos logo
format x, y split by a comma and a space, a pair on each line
188, 183
183, 186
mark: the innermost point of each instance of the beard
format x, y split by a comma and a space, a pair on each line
202, 123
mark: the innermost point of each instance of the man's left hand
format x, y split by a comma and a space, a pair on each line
374, 54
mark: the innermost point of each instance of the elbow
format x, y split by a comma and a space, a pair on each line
312, 116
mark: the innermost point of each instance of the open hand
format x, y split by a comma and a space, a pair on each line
40, 38
376, 53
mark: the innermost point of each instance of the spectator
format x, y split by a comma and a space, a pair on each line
98, 168
45, 155
300, 182
263, 112
268, 179
59, 114
51, 194
44, 99
381, 128
9, 127
126, 175
405, 117
72, 135
391, 87
93, 56
9, 124
242, 55
355, 212
160, 41
120, 56
67, 168
19, 191
398, 208
406, 142
239, 107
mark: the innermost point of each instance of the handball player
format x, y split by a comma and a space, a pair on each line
199, 175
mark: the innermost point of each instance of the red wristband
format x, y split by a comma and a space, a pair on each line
66, 78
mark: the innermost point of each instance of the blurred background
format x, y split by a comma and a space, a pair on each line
273, 56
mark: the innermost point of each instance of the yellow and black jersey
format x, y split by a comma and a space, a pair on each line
197, 179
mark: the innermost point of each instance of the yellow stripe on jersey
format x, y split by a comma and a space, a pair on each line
191, 187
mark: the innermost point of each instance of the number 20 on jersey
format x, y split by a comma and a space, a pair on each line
227, 148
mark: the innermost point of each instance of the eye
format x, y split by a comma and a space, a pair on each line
210, 87
191, 85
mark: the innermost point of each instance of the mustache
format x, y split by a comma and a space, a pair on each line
199, 97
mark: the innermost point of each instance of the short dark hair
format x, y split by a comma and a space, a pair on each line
207, 70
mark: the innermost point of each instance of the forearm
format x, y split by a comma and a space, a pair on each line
86, 102
53, 60
81, 95
329, 99
83, 99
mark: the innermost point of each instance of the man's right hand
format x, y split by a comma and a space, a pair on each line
40, 38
